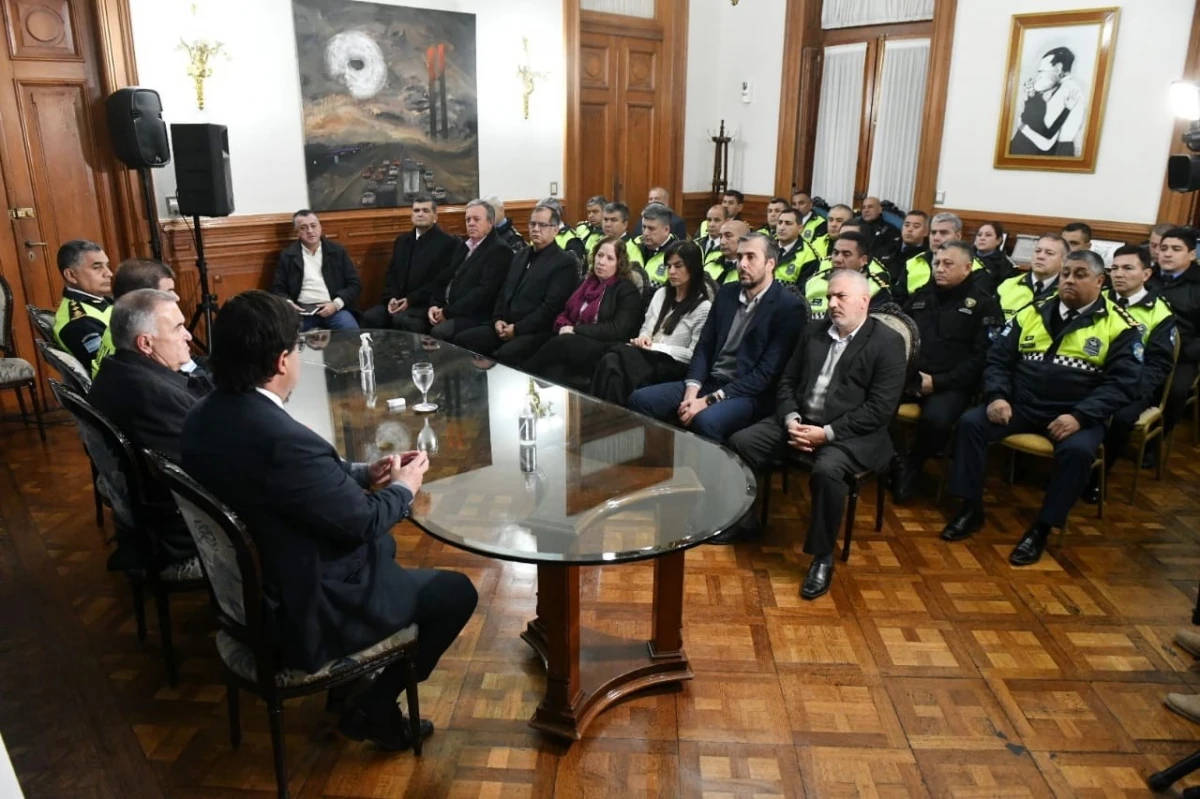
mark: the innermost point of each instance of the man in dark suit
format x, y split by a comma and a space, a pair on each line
662, 197
539, 282
750, 330
317, 276
324, 539
142, 391
418, 259
465, 294
836, 398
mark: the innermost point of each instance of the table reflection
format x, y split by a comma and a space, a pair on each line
600, 484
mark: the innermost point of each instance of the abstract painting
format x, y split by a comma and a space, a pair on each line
389, 103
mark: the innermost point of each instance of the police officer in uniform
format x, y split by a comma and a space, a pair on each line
656, 235
616, 225
591, 230
775, 207
797, 261
86, 306
918, 269
884, 238
812, 224
722, 264
1181, 289
1059, 368
851, 250
838, 216
1040, 282
957, 316
709, 237
914, 242
1129, 273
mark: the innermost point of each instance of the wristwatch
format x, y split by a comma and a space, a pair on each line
711, 399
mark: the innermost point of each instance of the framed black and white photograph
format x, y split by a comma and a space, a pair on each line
1056, 85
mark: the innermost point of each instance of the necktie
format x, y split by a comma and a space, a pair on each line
1123, 302
1071, 314
1037, 287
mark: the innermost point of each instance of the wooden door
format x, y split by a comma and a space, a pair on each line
55, 158
622, 105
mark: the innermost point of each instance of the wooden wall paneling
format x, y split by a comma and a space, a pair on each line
596, 170
241, 251
1174, 206
937, 85
802, 33
1016, 224
573, 144
640, 133
872, 81
696, 204
673, 17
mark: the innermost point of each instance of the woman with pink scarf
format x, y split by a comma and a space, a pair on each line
605, 310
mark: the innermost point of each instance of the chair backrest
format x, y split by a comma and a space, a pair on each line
228, 556
638, 275
7, 347
117, 475
42, 322
68, 366
891, 315
1166, 389
710, 287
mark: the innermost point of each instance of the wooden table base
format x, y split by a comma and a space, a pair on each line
588, 671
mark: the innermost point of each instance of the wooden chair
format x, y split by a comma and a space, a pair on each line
1042, 447
638, 275
16, 373
1150, 426
245, 642
890, 315
119, 479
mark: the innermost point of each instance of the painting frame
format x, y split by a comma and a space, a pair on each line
1018, 146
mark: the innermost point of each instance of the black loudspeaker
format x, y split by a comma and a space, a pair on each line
136, 127
203, 181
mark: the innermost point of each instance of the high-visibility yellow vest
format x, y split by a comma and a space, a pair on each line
919, 271
816, 290
714, 266
802, 255
1084, 348
810, 228
1016, 293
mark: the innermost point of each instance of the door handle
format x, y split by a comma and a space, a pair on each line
36, 243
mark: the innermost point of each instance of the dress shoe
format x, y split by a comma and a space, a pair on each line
819, 577
1186, 705
744, 529
904, 484
1091, 495
1189, 639
1031, 546
967, 522
391, 732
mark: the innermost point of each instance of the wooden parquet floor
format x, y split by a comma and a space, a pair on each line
929, 670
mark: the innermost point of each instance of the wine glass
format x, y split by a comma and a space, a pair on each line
427, 441
422, 375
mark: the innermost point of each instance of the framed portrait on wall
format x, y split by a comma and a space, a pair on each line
1055, 88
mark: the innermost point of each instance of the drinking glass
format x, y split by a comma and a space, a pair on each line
422, 375
427, 441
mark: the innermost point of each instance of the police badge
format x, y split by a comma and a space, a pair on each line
969, 302
1092, 346
1139, 351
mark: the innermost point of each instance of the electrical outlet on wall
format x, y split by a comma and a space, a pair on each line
554, 188
939, 196
173, 206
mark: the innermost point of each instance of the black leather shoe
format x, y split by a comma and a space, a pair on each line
391, 735
745, 529
904, 485
1091, 495
1031, 546
818, 579
967, 522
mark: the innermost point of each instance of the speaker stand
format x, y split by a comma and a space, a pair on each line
208, 301
151, 213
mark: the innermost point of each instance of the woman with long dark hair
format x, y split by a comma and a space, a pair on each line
989, 249
663, 349
603, 311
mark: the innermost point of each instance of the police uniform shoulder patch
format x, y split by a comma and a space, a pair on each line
1139, 352
1174, 334
969, 302
75, 309
1092, 346
1125, 315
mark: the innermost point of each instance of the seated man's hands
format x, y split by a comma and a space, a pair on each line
926, 384
566, 330
1062, 428
409, 468
398, 305
999, 412
435, 316
689, 408
380, 472
806, 437
327, 310
504, 331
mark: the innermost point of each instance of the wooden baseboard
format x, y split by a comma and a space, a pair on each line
241, 251
1016, 224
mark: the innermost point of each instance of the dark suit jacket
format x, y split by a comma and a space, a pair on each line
328, 558
416, 266
468, 289
764, 348
532, 298
620, 315
148, 403
863, 393
341, 278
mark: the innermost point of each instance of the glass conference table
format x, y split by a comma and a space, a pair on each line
600, 486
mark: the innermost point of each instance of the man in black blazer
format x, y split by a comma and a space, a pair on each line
418, 259
539, 282
836, 399
142, 391
735, 367
324, 538
465, 294
317, 276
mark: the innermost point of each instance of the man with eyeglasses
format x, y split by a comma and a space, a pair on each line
540, 280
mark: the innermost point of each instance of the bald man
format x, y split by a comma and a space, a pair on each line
885, 239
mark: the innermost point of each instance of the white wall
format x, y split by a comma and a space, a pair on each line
1152, 38
256, 92
727, 45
